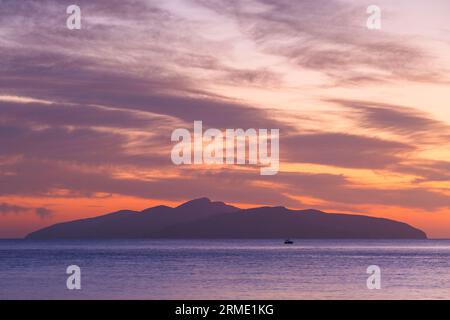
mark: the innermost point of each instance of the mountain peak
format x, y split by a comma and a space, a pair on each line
205, 206
196, 203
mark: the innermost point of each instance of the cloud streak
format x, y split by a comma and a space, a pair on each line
7, 208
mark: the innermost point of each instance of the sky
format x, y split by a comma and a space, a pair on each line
86, 115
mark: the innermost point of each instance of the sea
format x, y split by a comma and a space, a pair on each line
226, 269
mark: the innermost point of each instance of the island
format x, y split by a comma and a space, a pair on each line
206, 219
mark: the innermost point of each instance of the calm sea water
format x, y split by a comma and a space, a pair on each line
225, 269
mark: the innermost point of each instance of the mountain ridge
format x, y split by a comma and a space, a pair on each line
203, 218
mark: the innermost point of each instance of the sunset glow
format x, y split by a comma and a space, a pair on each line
86, 115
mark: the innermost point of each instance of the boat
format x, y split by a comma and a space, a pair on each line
288, 241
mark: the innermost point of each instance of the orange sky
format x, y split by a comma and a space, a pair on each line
86, 115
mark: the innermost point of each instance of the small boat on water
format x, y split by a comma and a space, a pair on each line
288, 241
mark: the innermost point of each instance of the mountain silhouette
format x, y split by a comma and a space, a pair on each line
205, 219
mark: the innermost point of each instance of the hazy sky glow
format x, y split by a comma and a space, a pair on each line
86, 116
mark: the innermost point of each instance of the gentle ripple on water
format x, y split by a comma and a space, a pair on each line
225, 269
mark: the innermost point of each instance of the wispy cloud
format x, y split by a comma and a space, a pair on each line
404, 121
7, 208
10, 208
